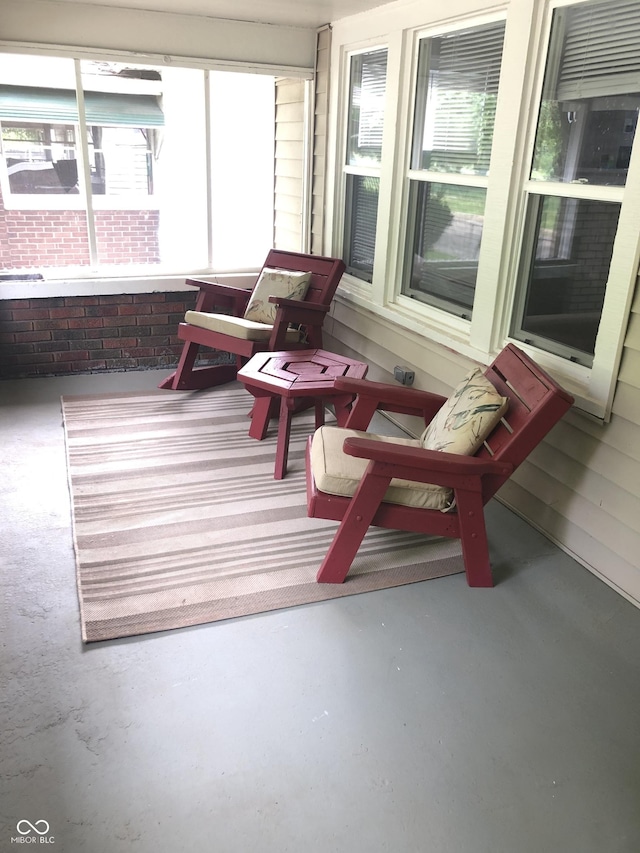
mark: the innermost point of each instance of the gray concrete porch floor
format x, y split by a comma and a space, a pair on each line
431, 718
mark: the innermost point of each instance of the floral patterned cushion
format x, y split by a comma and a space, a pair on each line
273, 282
467, 418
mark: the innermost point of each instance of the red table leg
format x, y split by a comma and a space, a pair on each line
260, 417
284, 433
342, 406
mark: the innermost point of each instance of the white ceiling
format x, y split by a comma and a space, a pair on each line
298, 13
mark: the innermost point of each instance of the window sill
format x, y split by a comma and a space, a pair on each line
110, 286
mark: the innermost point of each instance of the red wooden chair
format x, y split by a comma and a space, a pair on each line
535, 404
297, 323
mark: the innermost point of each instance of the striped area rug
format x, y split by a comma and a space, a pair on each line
178, 521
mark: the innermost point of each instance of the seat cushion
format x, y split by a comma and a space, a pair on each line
274, 282
237, 327
467, 418
337, 473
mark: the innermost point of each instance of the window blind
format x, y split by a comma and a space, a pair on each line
461, 93
368, 86
374, 78
600, 54
361, 226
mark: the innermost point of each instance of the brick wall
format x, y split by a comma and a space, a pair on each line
90, 334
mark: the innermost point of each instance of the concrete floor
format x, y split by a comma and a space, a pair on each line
430, 718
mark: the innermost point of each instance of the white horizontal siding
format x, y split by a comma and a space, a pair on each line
619, 573
289, 165
320, 140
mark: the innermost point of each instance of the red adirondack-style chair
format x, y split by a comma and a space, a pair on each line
360, 479
257, 320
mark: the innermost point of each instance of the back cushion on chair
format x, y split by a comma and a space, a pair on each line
273, 282
467, 418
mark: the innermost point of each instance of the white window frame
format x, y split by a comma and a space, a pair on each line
369, 170
527, 35
449, 318
91, 281
337, 212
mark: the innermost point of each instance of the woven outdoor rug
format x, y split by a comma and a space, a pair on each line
178, 521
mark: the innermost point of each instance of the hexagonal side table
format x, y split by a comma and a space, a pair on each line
293, 375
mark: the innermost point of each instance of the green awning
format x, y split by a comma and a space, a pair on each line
58, 106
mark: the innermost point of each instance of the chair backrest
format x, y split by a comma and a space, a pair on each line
325, 272
536, 403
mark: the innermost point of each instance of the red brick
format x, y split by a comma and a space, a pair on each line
67, 312
50, 324
70, 356
30, 314
86, 323
128, 310
114, 343
24, 337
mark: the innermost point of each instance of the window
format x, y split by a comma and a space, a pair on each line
585, 132
455, 106
508, 185
113, 168
364, 152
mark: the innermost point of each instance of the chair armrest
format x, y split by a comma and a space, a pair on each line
424, 466
281, 302
298, 312
213, 294
390, 398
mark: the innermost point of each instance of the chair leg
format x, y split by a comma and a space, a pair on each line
187, 378
187, 359
473, 537
353, 527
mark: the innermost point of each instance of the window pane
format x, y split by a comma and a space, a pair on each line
591, 95
458, 78
445, 244
361, 223
366, 107
42, 209
567, 279
242, 168
124, 129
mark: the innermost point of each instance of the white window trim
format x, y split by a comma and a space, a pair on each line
90, 281
528, 26
337, 190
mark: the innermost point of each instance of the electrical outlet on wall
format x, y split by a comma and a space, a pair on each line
403, 375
